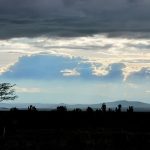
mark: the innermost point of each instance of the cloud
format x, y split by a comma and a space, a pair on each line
148, 91
47, 67
70, 72
69, 18
142, 75
28, 90
36, 7
98, 52
100, 70
4, 69
51, 67
44, 67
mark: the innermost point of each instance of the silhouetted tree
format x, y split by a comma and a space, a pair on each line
77, 110
7, 91
89, 109
98, 110
130, 109
103, 107
62, 108
14, 109
118, 109
110, 110
32, 108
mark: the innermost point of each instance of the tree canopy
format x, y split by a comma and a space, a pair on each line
7, 92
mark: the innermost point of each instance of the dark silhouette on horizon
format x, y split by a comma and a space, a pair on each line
88, 129
32, 108
130, 109
118, 109
89, 109
103, 107
61, 108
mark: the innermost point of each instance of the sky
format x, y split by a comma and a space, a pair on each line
76, 51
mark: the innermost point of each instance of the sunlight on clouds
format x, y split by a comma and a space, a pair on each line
134, 53
4, 69
7, 60
69, 72
100, 71
132, 68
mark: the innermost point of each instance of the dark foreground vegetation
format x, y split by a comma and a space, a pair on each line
101, 129
74, 130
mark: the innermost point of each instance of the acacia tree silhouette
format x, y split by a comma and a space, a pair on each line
118, 109
32, 108
61, 108
89, 109
7, 92
130, 109
103, 108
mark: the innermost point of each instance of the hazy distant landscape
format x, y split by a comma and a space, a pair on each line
138, 106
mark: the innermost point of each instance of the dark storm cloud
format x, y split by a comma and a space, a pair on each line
30, 18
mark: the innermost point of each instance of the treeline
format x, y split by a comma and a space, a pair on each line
103, 108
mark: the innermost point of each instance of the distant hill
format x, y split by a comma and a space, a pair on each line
138, 106
126, 103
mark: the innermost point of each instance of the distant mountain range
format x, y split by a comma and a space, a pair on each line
138, 106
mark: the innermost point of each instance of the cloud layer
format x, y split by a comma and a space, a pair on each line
68, 18
51, 67
99, 51
48, 67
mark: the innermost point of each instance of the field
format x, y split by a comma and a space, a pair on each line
27, 130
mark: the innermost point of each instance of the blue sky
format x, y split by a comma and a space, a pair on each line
65, 51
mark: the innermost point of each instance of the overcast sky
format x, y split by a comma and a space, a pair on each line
76, 51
